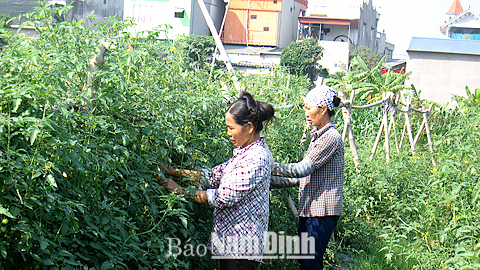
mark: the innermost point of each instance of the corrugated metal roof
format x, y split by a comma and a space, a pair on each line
443, 45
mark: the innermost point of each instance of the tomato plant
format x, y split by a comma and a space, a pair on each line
77, 159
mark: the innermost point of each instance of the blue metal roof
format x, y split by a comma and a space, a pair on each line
443, 45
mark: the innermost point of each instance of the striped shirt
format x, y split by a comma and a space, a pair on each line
321, 193
240, 194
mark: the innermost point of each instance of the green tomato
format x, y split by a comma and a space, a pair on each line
4, 221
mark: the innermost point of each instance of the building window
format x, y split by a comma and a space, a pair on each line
266, 28
104, 2
179, 13
253, 17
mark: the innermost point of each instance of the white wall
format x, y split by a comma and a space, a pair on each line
335, 55
149, 14
439, 75
335, 8
335, 31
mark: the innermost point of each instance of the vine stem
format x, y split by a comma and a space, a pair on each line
137, 234
426, 243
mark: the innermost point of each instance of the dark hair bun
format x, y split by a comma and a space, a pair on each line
336, 101
246, 109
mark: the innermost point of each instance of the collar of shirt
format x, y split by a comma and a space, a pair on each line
316, 132
242, 149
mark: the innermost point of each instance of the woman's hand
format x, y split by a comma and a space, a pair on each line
199, 197
192, 176
171, 185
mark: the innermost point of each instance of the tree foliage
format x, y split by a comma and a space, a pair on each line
370, 58
369, 84
301, 58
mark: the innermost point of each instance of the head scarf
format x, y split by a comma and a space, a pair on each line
321, 96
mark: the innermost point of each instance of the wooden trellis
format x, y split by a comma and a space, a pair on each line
390, 104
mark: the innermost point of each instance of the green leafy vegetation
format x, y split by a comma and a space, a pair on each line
301, 59
77, 160
371, 59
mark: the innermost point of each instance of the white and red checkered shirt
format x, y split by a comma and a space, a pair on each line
321, 193
240, 194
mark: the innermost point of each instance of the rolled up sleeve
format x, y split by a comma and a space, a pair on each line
238, 183
294, 170
211, 178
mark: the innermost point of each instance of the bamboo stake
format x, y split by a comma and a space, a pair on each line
395, 132
396, 140
390, 124
353, 146
94, 63
346, 124
377, 140
429, 135
419, 131
395, 125
403, 133
351, 139
348, 120
291, 204
387, 136
386, 144
347, 103
379, 134
409, 128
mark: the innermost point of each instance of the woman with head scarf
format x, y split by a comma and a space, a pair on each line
319, 176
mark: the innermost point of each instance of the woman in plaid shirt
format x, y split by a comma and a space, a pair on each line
319, 176
238, 188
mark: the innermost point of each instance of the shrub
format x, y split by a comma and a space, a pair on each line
301, 58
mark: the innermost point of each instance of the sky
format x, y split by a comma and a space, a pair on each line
405, 19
